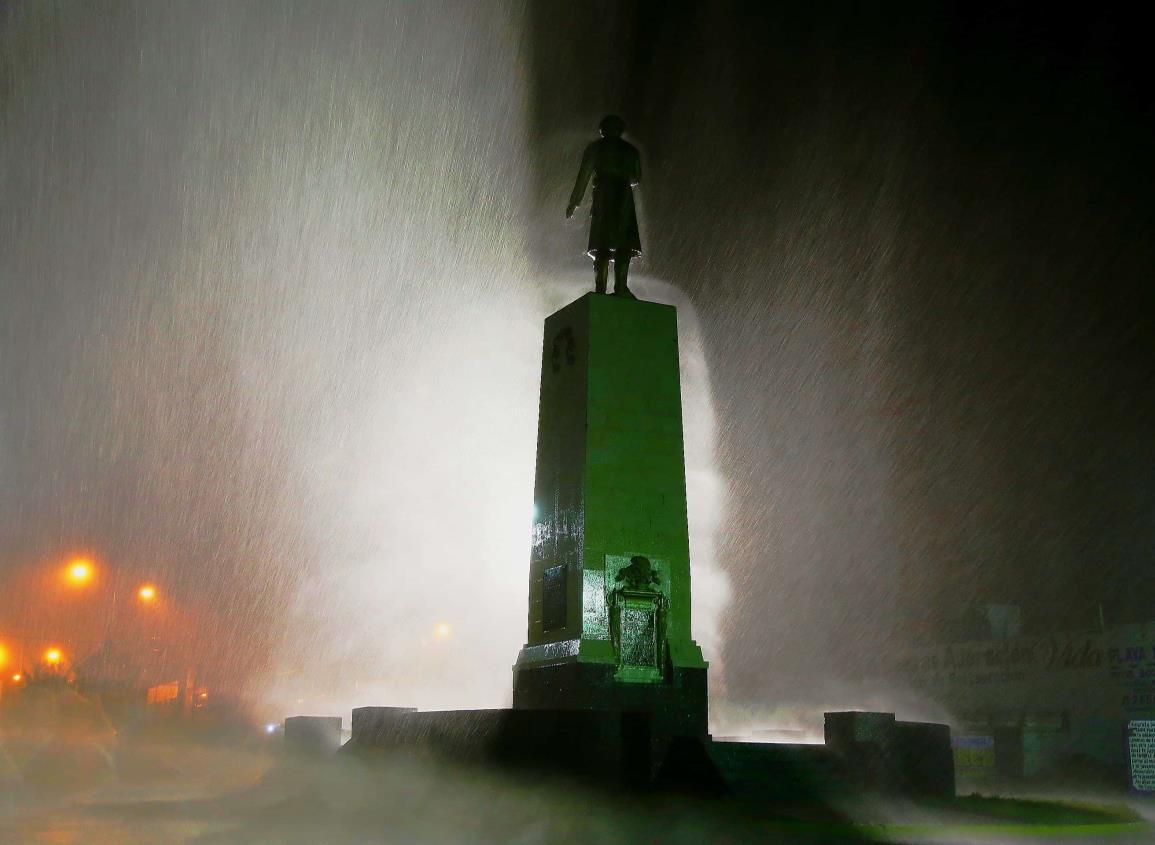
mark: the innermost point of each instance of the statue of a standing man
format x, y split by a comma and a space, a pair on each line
615, 167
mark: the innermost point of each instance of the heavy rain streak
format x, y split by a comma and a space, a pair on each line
272, 338
272, 284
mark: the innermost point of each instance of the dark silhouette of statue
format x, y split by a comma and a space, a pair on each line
615, 167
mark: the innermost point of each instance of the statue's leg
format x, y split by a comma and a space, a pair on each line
621, 271
601, 271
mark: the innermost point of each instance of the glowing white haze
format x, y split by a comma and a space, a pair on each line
421, 484
301, 325
408, 345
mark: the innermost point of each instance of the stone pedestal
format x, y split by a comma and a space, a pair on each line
597, 747
677, 705
609, 587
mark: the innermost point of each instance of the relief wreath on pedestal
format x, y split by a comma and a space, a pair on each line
637, 608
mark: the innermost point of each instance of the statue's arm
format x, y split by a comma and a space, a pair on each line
583, 179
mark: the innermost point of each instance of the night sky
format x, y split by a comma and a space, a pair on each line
272, 277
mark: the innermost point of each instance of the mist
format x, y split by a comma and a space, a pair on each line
272, 284
272, 337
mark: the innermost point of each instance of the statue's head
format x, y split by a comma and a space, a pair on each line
612, 126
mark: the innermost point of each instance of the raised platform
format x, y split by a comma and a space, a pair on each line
864, 752
602, 746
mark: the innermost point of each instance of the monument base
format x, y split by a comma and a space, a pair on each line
596, 746
677, 707
657, 750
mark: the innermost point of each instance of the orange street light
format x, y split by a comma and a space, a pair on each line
53, 656
3, 656
17, 678
146, 593
443, 631
79, 572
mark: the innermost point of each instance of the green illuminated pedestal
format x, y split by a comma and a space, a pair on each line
609, 589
